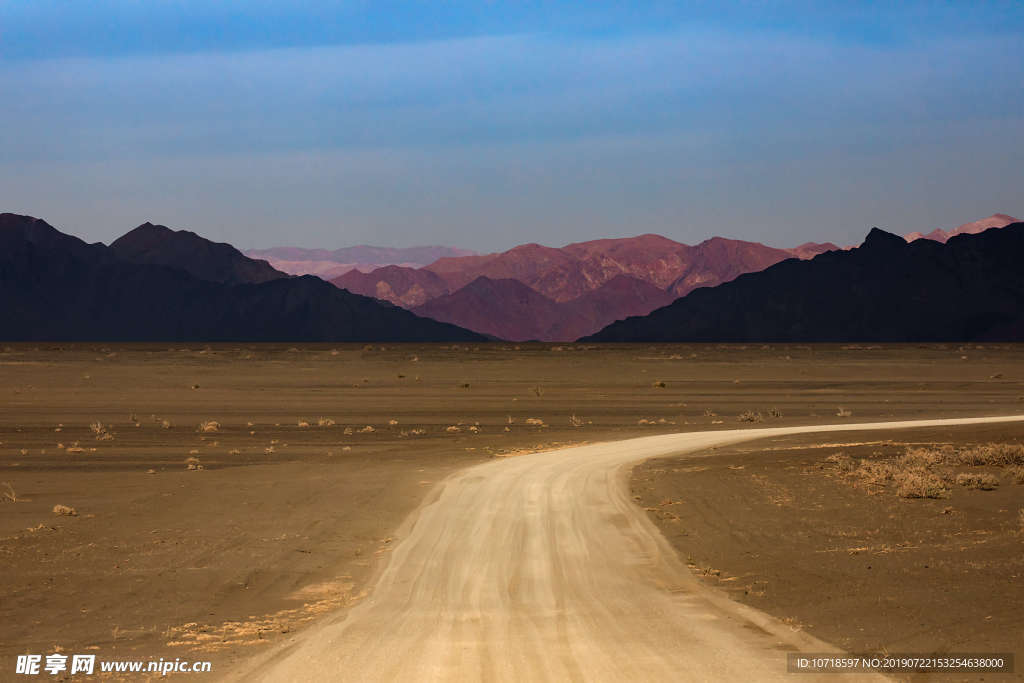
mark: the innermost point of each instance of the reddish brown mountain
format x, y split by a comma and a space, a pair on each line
996, 220
406, 287
572, 271
510, 310
504, 308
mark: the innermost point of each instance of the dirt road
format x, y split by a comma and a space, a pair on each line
541, 567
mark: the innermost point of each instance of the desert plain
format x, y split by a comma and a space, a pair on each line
227, 498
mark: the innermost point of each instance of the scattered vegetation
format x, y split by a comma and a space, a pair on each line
750, 416
931, 472
984, 481
100, 431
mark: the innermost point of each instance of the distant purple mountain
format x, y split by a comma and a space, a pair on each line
329, 264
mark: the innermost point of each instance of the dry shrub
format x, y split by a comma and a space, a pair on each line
392, 422
1017, 475
8, 495
65, 510
710, 413
984, 481
452, 429
367, 430
75, 448
303, 424
324, 422
1020, 518
348, 431
844, 464
774, 412
919, 483
192, 463
535, 421
659, 384
875, 472
998, 454
209, 426
165, 424
843, 412
750, 416
576, 421
927, 457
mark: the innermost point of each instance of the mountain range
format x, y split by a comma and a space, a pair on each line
155, 284
969, 288
579, 288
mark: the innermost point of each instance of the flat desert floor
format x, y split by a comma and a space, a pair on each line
225, 496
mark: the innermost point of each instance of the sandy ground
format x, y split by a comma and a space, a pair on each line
542, 568
774, 525
285, 523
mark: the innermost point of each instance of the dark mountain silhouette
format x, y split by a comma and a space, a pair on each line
406, 287
215, 261
970, 288
54, 287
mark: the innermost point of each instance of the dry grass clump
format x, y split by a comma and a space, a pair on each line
101, 431
750, 416
165, 424
535, 421
576, 421
392, 422
74, 448
367, 430
843, 412
65, 510
998, 454
451, 429
207, 426
919, 483
710, 413
192, 463
324, 422
844, 464
1017, 475
659, 384
774, 413
8, 495
1020, 519
985, 482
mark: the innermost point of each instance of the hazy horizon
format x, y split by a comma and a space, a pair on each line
484, 127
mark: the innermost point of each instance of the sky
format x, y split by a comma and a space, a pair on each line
489, 124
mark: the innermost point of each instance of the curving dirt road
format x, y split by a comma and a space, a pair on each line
540, 567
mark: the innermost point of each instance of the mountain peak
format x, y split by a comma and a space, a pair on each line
880, 239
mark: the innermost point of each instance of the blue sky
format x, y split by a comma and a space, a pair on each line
485, 125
